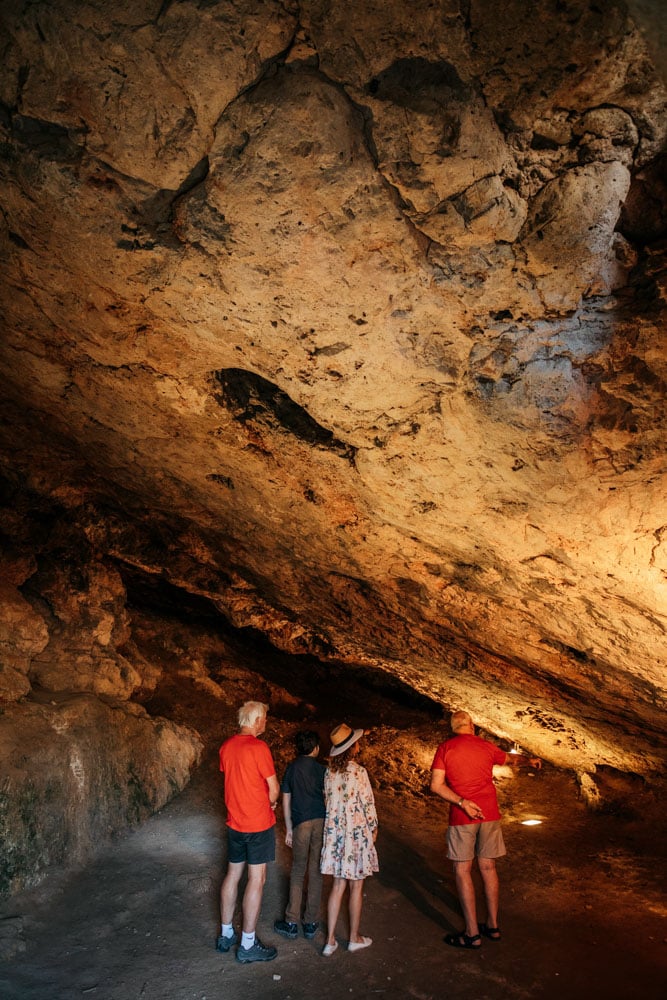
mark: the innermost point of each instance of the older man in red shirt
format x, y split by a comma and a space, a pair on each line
251, 793
462, 774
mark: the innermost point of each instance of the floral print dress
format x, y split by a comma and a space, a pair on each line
348, 850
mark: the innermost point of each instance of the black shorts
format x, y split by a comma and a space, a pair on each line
253, 848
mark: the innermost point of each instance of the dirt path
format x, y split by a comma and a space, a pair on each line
140, 920
583, 906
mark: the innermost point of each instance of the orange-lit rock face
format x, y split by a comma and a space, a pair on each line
353, 321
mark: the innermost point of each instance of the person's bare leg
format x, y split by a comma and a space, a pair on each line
252, 897
229, 890
356, 901
487, 868
333, 907
466, 894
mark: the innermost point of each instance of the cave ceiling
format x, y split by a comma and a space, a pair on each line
350, 317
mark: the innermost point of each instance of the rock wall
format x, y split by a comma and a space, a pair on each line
79, 761
75, 770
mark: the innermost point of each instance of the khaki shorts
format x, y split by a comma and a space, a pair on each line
484, 840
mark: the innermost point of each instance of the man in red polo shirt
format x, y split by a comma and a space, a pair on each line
251, 793
462, 774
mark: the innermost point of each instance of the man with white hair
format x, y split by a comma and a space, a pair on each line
251, 793
462, 774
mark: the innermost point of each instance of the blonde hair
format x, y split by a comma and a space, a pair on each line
251, 712
459, 721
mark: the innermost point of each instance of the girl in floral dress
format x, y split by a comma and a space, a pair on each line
350, 829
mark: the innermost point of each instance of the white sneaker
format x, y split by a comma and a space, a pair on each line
329, 949
358, 945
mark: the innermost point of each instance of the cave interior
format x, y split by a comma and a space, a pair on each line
334, 365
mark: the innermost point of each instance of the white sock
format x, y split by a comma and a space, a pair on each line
247, 940
227, 930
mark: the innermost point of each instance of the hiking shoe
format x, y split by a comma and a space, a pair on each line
258, 953
310, 930
287, 929
223, 944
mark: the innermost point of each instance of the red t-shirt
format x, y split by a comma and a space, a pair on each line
246, 763
468, 765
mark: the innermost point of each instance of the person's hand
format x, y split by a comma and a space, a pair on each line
471, 809
288, 838
535, 762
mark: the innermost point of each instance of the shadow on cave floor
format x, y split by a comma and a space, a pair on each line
582, 897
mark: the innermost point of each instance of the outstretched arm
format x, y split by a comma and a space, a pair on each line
522, 760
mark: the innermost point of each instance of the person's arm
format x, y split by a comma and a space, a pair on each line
368, 802
287, 815
522, 760
274, 790
440, 787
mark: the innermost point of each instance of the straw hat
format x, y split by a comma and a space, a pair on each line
342, 738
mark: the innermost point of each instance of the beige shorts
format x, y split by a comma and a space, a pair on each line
484, 840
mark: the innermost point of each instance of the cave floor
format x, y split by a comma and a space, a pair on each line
583, 906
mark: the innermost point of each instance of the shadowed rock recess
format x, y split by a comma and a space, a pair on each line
346, 321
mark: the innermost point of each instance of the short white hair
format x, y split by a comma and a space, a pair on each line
251, 712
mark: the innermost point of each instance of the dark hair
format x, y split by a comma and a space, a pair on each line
306, 740
341, 760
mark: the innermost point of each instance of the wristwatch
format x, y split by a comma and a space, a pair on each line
460, 803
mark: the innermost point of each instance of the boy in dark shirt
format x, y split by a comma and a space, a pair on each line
304, 812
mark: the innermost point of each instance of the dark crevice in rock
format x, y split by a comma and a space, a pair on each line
303, 674
47, 139
155, 215
540, 142
153, 592
421, 86
578, 654
253, 399
643, 218
218, 477
332, 349
18, 241
164, 8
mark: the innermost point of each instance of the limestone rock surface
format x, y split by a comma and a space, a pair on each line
23, 635
74, 771
349, 318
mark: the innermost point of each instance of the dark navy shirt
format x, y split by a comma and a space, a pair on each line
304, 780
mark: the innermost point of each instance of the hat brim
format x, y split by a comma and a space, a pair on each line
342, 747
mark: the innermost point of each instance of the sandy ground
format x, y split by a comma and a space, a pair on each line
583, 906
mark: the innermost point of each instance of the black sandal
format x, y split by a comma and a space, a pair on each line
493, 933
462, 940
